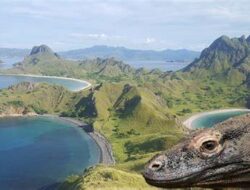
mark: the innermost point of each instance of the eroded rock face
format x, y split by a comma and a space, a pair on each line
23, 87
13, 111
42, 49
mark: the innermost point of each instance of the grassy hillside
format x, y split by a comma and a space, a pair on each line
226, 59
101, 178
40, 98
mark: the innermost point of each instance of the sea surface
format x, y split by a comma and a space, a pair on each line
73, 85
8, 62
162, 65
208, 120
37, 153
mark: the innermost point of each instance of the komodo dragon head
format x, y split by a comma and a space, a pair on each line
214, 157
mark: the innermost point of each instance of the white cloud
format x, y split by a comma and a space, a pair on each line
133, 23
150, 40
95, 36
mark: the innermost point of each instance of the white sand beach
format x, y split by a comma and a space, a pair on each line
88, 84
189, 121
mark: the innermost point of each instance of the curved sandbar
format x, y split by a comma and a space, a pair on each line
189, 122
85, 84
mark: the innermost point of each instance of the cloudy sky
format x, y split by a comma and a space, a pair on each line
140, 24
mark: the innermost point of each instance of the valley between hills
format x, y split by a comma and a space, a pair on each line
139, 111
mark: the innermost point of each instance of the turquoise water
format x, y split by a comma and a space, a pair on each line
211, 119
8, 80
40, 152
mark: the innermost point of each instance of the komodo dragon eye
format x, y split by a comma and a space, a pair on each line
209, 146
207, 143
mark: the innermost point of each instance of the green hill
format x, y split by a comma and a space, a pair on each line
227, 60
40, 98
101, 178
42, 60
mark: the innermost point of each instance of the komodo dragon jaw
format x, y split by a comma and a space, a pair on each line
214, 157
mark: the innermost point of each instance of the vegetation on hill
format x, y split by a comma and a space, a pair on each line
101, 177
226, 60
40, 98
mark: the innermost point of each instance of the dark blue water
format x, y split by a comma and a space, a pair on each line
39, 152
211, 119
73, 85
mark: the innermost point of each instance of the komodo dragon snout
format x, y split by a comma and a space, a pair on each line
215, 157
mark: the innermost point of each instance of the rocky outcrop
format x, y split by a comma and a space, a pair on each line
23, 87
42, 49
13, 111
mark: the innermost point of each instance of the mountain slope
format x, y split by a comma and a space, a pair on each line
131, 118
225, 59
42, 60
39, 98
130, 54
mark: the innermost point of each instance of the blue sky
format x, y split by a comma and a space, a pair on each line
139, 24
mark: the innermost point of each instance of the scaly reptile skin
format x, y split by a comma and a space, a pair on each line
214, 157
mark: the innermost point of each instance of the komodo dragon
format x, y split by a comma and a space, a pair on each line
214, 157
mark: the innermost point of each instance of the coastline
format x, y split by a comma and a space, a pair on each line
55, 77
106, 153
30, 114
188, 122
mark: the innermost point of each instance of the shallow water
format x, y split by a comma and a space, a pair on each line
211, 119
73, 85
39, 152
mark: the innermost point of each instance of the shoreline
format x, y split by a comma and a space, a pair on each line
106, 153
30, 114
54, 77
188, 122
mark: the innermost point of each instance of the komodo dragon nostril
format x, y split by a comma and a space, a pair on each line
157, 165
